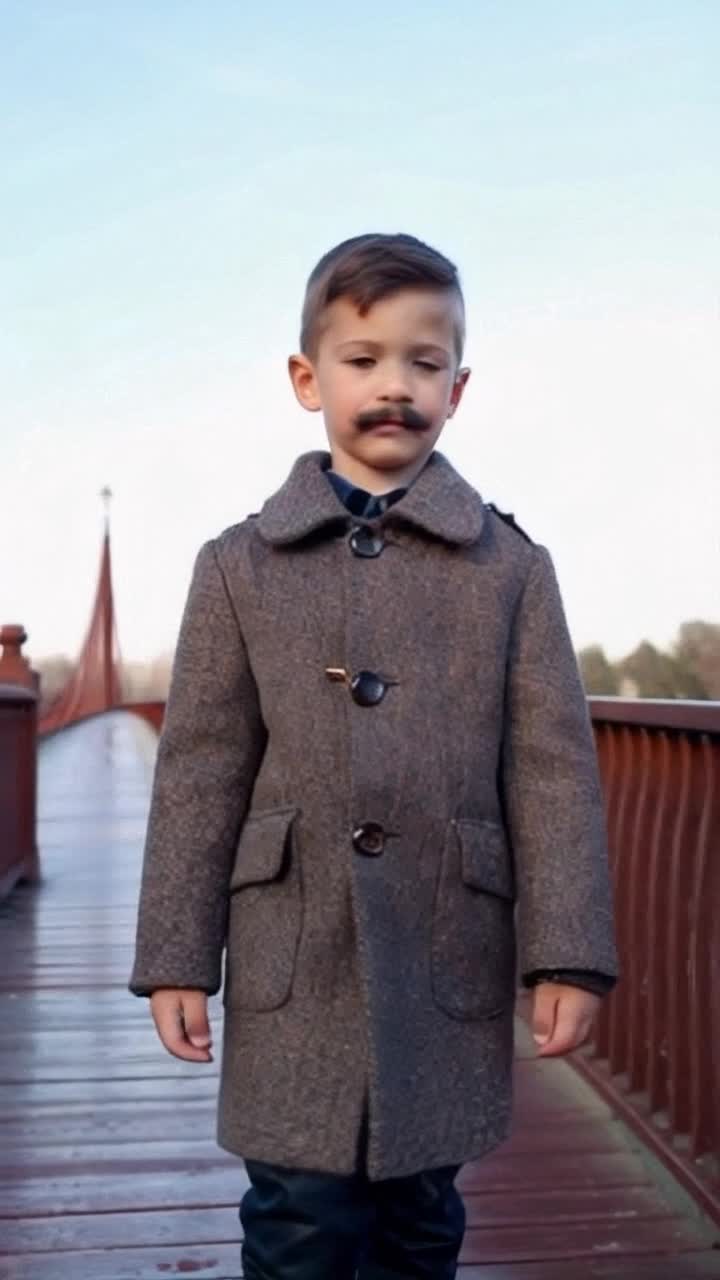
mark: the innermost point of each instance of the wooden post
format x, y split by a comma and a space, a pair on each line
14, 667
18, 762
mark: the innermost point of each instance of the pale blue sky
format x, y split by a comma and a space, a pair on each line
172, 171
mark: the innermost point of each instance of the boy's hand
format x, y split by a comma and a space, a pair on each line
181, 1022
562, 1017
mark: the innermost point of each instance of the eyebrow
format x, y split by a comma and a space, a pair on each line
418, 348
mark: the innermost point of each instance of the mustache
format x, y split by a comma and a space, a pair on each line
404, 413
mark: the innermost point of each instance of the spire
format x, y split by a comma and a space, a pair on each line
95, 684
106, 494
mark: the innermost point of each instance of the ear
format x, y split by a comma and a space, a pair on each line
302, 376
459, 385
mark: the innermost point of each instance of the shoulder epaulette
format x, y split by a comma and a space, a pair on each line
509, 518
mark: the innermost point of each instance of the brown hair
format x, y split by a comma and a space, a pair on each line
368, 268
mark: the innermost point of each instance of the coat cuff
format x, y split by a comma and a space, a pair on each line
147, 989
600, 984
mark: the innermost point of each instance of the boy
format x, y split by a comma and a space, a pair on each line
376, 739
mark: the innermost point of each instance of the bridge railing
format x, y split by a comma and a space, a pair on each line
656, 1051
656, 1048
18, 762
153, 712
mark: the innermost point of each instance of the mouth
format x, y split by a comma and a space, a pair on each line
388, 424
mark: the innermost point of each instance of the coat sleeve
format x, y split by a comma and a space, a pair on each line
551, 791
209, 752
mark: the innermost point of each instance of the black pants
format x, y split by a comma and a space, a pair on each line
303, 1225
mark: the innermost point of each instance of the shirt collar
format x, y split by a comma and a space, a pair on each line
439, 501
359, 501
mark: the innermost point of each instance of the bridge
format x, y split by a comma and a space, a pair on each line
108, 1165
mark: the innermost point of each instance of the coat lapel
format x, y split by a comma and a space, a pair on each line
440, 502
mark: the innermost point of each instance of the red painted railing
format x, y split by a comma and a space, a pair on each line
153, 712
18, 762
656, 1052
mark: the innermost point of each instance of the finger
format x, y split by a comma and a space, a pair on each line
167, 1014
195, 1018
544, 1011
571, 1028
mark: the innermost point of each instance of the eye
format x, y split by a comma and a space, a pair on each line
427, 364
361, 362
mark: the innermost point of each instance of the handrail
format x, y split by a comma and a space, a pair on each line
657, 713
153, 712
656, 1051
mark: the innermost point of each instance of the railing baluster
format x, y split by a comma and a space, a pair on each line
619, 830
607, 756
636, 992
704, 970
677, 949
656, 1053
658, 880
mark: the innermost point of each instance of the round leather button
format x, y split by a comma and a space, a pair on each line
367, 689
366, 542
369, 839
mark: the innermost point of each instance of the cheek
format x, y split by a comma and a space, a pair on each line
439, 394
335, 391
344, 398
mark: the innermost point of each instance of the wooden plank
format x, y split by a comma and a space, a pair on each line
120, 1123
147, 1122
202, 1262
130, 1187
101, 1230
55, 1093
578, 1240
45, 1015
687, 1266
222, 1262
136, 1170
490, 1243
128, 1066
560, 1170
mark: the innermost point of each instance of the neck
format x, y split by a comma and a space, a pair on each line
374, 479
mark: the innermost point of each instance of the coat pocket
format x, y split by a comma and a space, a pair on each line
473, 937
265, 913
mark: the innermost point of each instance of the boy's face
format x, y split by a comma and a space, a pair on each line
386, 382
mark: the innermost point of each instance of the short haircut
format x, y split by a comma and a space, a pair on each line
370, 267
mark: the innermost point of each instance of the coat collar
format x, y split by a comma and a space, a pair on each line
440, 501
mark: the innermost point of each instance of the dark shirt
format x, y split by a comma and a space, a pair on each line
358, 501
361, 503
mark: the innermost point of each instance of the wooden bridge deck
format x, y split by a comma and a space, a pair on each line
108, 1168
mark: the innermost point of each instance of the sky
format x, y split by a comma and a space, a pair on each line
172, 171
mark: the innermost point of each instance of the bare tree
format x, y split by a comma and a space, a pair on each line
697, 649
598, 674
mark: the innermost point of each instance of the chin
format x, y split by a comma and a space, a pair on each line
387, 453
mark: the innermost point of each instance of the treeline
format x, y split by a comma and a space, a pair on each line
690, 670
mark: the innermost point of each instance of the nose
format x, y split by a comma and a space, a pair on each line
396, 386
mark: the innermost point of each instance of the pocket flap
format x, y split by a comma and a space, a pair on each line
486, 859
261, 848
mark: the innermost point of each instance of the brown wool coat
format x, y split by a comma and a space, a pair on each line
345, 973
